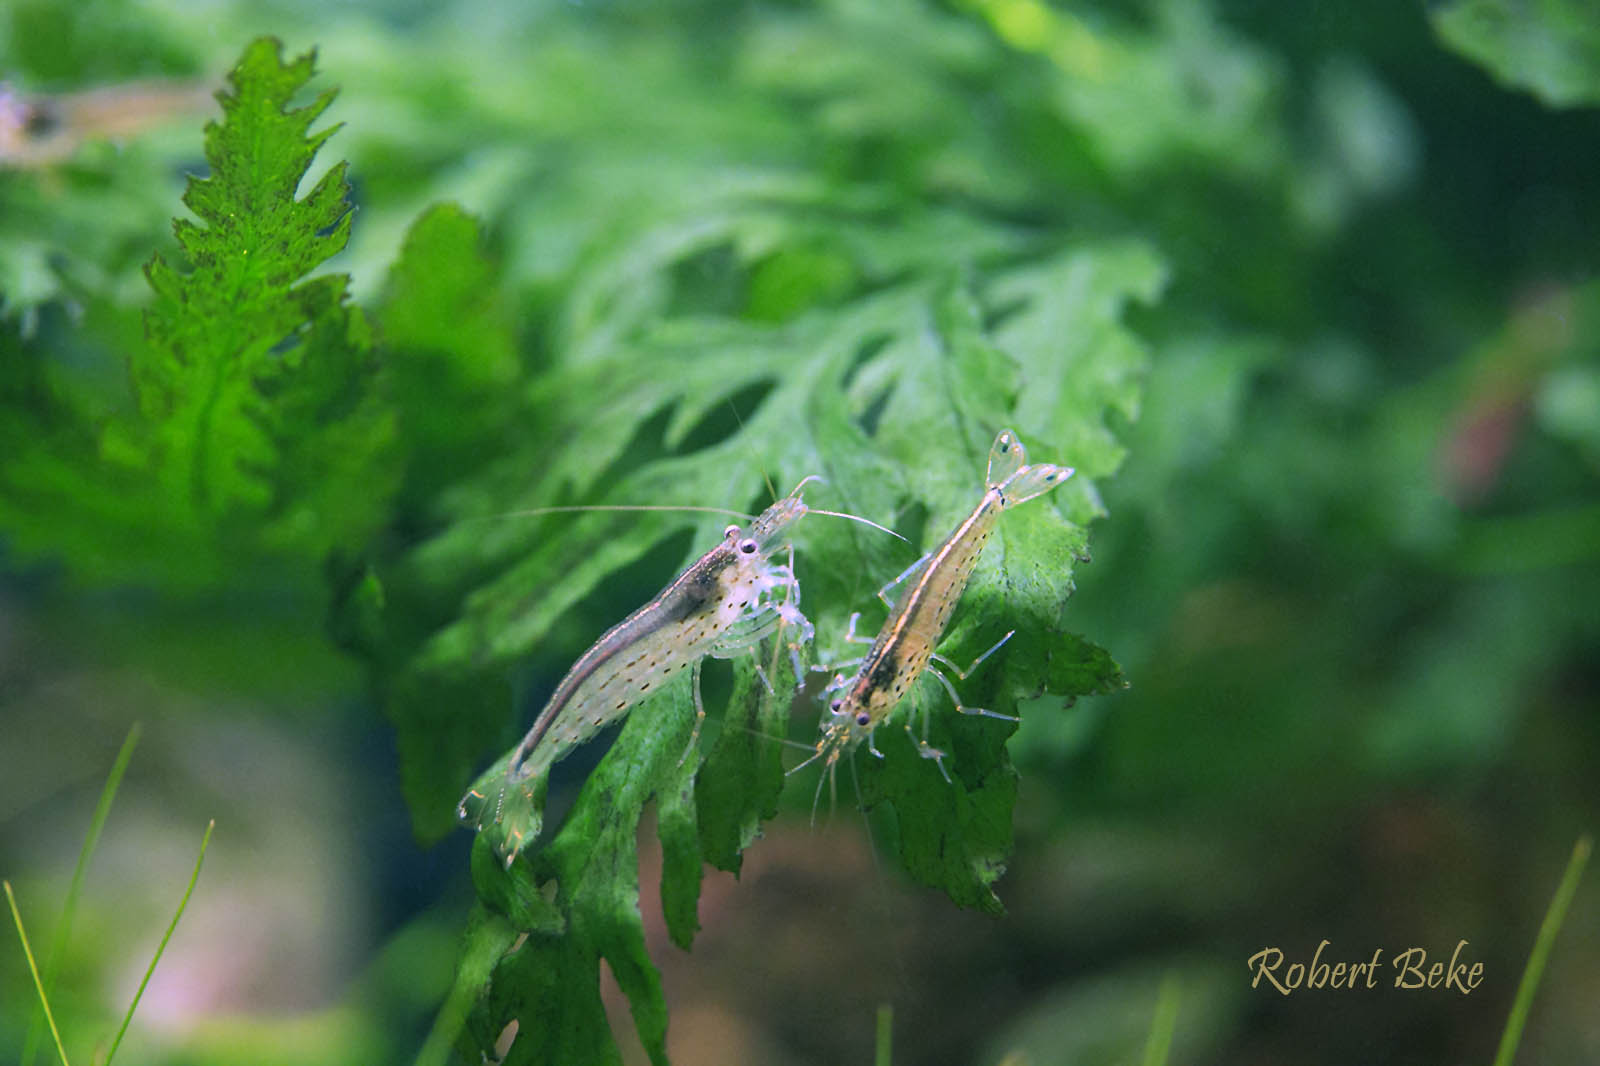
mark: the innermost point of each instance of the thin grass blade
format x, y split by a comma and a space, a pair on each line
1553, 917
58, 939
173, 925
44, 1001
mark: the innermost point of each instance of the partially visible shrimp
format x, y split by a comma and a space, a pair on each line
904, 647
725, 603
40, 131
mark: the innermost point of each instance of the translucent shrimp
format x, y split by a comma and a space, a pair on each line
725, 603
904, 648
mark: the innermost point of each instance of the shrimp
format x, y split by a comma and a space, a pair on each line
726, 602
904, 648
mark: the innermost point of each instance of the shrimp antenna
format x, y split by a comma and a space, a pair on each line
857, 518
816, 751
787, 742
839, 514
771, 488
606, 507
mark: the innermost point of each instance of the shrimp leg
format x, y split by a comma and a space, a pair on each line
883, 593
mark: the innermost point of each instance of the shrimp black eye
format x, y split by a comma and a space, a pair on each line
863, 718
730, 532
835, 705
748, 546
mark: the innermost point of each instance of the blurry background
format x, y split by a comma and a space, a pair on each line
1349, 569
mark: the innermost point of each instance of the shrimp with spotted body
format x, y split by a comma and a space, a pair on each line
725, 603
904, 647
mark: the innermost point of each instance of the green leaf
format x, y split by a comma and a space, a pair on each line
260, 433
738, 786
1184, 88
447, 343
439, 725
1550, 48
440, 301
448, 352
955, 835
487, 938
676, 823
257, 387
700, 330
940, 364
550, 984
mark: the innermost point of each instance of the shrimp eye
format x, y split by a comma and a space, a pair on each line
748, 546
863, 718
730, 532
835, 705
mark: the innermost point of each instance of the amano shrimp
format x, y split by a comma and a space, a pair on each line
725, 603
904, 647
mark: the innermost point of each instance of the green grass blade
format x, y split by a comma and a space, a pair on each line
44, 1001
1159, 1047
204, 843
1553, 917
58, 939
885, 1035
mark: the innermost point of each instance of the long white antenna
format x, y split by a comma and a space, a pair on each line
857, 518
606, 507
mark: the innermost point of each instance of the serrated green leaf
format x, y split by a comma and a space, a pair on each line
594, 862
941, 375
256, 386
261, 434
1075, 304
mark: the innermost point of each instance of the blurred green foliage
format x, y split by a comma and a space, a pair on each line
1551, 47
1320, 294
